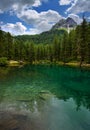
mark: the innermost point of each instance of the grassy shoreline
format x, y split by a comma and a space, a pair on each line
71, 64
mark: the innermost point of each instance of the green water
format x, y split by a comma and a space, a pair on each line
44, 98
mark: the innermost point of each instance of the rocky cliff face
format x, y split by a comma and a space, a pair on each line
65, 23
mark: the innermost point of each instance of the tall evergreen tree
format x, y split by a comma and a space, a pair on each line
64, 52
31, 52
88, 44
83, 42
9, 49
56, 49
1, 43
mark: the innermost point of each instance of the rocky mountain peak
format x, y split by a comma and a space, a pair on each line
65, 23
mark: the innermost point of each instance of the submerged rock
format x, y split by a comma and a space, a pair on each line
45, 95
44, 91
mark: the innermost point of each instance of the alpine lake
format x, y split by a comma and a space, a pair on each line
44, 97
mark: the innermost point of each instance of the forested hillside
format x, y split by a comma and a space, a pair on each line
59, 46
43, 38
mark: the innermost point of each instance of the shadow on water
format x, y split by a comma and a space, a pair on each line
40, 97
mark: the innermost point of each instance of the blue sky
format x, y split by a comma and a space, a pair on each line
35, 16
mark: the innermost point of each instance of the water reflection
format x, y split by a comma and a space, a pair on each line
44, 98
51, 114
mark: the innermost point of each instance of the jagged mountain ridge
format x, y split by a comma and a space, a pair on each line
65, 23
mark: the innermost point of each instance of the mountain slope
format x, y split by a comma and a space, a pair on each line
47, 37
43, 38
65, 23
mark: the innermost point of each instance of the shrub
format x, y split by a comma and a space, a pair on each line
3, 61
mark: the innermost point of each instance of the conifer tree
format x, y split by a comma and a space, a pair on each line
83, 42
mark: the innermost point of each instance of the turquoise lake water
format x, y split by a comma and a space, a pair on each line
44, 98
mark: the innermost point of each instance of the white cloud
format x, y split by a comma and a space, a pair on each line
88, 18
1, 23
29, 16
33, 17
41, 21
37, 3
32, 31
18, 5
50, 16
15, 29
65, 2
1, 11
79, 6
43, 26
76, 18
18, 29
